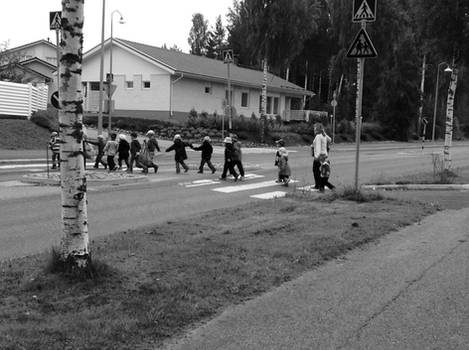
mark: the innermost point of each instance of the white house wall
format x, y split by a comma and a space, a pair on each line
129, 67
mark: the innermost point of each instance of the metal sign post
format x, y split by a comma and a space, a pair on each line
55, 23
361, 48
228, 59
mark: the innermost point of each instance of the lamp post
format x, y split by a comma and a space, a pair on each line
110, 77
101, 75
448, 70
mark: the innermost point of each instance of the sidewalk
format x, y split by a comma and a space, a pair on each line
408, 291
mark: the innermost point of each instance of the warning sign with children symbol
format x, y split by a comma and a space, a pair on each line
364, 10
362, 46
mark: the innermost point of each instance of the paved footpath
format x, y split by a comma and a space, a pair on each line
407, 291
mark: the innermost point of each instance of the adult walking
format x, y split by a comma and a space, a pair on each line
237, 156
180, 155
206, 156
319, 150
228, 166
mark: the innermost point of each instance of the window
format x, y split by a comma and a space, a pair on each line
146, 84
275, 105
269, 105
208, 90
129, 84
94, 86
244, 99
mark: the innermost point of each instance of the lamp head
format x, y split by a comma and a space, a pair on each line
448, 69
121, 20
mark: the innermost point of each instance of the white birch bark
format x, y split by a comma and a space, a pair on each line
449, 119
74, 245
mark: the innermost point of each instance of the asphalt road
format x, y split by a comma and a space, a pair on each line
30, 216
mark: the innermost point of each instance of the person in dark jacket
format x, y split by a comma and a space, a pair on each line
237, 156
207, 151
135, 148
179, 147
123, 151
228, 160
99, 155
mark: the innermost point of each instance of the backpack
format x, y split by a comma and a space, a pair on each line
325, 168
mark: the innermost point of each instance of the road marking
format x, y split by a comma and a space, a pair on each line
270, 195
252, 186
14, 183
198, 183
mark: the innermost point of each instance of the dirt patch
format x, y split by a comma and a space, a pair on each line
162, 280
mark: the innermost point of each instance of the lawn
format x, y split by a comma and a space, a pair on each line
22, 134
156, 282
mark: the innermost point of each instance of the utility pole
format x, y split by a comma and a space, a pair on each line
101, 74
422, 85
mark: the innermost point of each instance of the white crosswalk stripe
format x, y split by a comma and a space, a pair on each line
246, 187
270, 195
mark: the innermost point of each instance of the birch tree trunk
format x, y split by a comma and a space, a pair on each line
74, 252
263, 118
449, 119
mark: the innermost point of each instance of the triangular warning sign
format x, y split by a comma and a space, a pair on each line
364, 10
362, 46
55, 20
228, 56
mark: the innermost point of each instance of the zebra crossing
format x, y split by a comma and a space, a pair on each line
250, 183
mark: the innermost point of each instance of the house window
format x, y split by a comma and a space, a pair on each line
269, 105
275, 105
129, 84
146, 84
244, 99
94, 86
208, 90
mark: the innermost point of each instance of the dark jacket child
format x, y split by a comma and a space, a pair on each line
135, 148
99, 155
206, 156
54, 145
123, 151
180, 154
229, 150
110, 150
284, 171
237, 155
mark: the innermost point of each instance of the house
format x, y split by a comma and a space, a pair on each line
34, 63
156, 83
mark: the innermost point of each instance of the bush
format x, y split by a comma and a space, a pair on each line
48, 119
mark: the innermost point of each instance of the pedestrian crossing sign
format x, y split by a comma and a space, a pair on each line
362, 46
228, 56
364, 10
55, 20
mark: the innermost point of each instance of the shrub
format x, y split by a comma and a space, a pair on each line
48, 119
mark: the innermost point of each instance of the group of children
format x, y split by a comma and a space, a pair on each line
144, 156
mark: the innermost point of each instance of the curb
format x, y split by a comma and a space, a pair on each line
417, 187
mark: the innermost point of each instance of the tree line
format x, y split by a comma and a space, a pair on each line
306, 41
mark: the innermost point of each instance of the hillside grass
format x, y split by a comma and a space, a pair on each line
22, 134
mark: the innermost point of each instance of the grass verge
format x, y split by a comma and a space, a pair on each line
162, 280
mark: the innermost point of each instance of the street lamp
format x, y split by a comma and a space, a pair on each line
111, 78
101, 73
447, 70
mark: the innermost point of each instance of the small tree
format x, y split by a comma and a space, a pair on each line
198, 35
8, 65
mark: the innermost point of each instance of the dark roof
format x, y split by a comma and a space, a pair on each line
34, 43
37, 59
210, 69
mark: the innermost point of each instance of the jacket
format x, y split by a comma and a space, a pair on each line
179, 147
123, 148
135, 147
206, 149
100, 143
54, 144
229, 152
236, 151
110, 149
153, 145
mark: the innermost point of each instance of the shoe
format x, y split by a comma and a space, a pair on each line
96, 167
186, 170
54, 167
200, 172
213, 171
222, 178
156, 169
241, 178
278, 181
236, 178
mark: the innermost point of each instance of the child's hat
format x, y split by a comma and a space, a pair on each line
227, 140
283, 151
207, 138
150, 132
177, 137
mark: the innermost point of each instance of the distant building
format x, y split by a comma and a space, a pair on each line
35, 63
156, 83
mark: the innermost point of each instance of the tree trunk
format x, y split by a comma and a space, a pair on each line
263, 102
74, 252
449, 119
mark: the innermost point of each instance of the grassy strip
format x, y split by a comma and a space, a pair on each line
22, 134
161, 280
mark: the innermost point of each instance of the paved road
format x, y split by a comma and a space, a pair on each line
30, 215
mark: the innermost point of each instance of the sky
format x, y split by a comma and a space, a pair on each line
152, 22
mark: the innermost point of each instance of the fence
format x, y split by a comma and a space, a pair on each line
304, 115
22, 99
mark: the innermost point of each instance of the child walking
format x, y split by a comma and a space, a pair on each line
54, 145
180, 155
135, 148
284, 171
207, 151
110, 149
